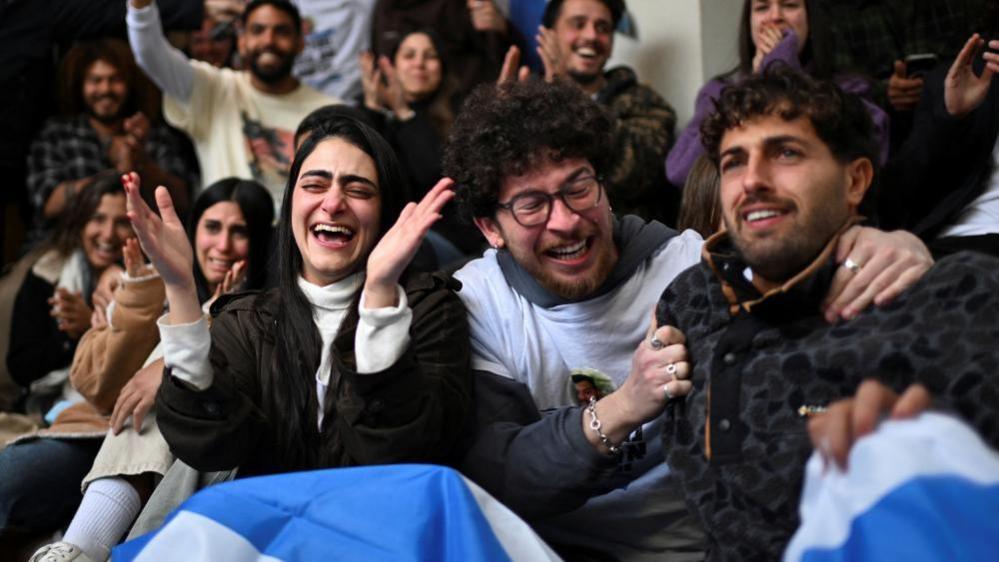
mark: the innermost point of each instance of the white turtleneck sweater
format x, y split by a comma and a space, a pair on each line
381, 337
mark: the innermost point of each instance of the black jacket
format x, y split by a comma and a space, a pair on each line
945, 164
411, 412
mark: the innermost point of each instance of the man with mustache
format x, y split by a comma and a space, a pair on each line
104, 127
575, 41
568, 292
242, 122
796, 159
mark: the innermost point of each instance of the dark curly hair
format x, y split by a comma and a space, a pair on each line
508, 129
142, 95
554, 8
840, 119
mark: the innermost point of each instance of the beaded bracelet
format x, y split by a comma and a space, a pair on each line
595, 425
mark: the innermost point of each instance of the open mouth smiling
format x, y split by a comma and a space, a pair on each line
332, 234
569, 252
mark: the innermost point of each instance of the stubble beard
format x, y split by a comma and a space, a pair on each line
274, 74
778, 256
571, 289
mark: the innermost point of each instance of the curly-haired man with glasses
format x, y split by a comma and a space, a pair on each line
568, 290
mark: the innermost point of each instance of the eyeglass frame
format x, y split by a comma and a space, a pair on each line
560, 194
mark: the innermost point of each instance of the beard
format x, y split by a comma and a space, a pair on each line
571, 289
106, 118
778, 256
271, 74
584, 78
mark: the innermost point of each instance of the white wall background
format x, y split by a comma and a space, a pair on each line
681, 44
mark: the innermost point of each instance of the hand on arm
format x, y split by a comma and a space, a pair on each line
396, 249
165, 242
963, 91
903, 92
137, 397
889, 263
835, 431
655, 369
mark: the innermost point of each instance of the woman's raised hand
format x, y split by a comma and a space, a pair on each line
964, 91
233, 281
165, 242
396, 249
770, 36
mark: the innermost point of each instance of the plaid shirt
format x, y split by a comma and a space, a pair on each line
869, 35
69, 150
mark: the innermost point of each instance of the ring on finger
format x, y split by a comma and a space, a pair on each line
853, 266
655, 343
671, 369
669, 395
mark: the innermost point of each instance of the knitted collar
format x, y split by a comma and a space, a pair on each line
806, 289
335, 296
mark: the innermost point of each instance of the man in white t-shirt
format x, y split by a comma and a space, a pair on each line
566, 296
242, 122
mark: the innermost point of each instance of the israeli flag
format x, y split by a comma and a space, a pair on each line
391, 513
916, 490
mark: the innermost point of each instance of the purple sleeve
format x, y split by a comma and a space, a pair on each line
859, 87
688, 147
786, 51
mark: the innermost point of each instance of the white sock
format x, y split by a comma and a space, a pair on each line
108, 509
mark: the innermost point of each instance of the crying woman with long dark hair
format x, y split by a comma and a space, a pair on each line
349, 360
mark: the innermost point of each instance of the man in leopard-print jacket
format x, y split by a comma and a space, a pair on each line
796, 159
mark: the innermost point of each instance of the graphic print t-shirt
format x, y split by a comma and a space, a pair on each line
238, 130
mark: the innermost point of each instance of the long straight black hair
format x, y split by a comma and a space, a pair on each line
289, 396
257, 206
816, 57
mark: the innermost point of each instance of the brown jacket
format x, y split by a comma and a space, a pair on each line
107, 357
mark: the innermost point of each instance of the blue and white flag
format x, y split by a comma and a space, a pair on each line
916, 490
391, 513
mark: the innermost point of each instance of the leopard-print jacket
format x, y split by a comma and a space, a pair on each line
738, 443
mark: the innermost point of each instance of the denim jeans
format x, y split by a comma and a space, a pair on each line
40, 482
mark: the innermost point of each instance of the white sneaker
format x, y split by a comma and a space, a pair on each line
59, 552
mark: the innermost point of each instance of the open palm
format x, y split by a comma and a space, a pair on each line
963, 90
163, 239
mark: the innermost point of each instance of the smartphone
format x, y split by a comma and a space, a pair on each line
919, 64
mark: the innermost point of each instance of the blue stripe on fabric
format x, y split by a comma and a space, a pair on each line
397, 513
931, 518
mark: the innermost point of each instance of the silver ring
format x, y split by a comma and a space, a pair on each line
671, 369
655, 343
851, 265
669, 396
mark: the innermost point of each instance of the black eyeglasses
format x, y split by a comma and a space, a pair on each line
534, 207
